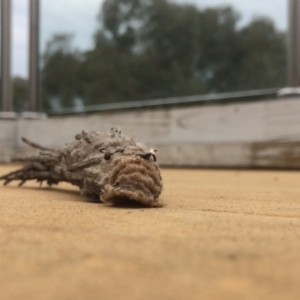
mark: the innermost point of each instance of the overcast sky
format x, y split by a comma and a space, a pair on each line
79, 17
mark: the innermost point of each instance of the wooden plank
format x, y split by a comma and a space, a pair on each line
257, 134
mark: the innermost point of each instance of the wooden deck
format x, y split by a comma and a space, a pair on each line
221, 235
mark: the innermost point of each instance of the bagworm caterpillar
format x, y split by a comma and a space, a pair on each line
108, 166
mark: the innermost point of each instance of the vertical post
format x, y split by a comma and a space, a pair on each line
6, 88
33, 54
294, 44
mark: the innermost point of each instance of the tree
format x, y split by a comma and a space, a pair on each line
264, 60
139, 54
20, 94
60, 76
158, 48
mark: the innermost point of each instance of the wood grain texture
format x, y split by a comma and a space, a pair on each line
207, 135
223, 234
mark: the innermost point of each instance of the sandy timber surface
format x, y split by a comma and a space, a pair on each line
223, 234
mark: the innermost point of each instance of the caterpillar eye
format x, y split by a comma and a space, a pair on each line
107, 156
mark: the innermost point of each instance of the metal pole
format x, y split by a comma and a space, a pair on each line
33, 54
294, 44
6, 88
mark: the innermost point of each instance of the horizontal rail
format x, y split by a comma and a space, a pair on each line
245, 95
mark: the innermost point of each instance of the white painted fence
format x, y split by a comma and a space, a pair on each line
256, 134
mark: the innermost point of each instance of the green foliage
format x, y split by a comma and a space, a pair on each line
156, 48
61, 73
20, 94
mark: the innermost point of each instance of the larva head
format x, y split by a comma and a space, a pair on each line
133, 178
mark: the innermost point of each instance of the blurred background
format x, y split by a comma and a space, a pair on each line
94, 52
199, 78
